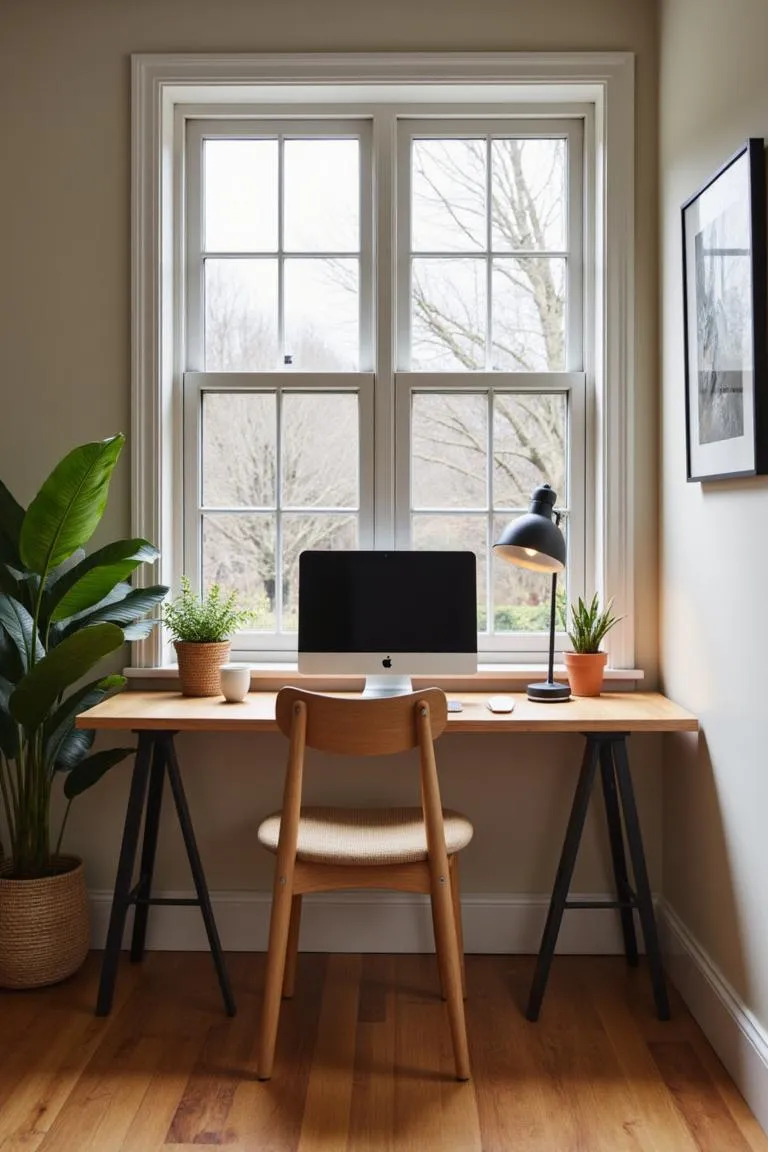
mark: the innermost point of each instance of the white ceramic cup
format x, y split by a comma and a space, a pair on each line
235, 681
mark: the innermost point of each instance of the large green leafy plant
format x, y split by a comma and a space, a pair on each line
61, 612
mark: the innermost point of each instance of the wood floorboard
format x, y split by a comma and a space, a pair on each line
364, 1063
421, 1026
372, 1115
328, 1102
704, 1111
268, 1116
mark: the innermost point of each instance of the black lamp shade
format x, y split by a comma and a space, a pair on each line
533, 540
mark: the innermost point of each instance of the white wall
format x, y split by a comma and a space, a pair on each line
714, 547
64, 370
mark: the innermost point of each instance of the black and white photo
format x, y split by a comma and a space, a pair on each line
724, 292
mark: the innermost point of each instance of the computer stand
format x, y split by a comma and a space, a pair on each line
382, 685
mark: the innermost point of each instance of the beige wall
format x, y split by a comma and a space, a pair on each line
64, 364
713, 95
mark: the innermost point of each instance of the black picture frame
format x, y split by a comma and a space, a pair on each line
724, 320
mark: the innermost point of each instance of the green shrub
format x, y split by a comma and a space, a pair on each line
516, 618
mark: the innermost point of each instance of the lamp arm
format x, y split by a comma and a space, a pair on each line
551, 674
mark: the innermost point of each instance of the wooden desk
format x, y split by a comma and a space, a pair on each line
605, 722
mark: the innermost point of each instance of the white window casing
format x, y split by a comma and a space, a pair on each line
389, 97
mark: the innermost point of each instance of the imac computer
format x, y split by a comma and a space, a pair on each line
387, 615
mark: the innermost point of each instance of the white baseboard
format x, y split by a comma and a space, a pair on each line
736, 1035
362, 922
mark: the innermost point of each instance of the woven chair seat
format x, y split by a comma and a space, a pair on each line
365, 835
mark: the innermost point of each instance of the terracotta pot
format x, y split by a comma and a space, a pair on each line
199, 666
585, 672
44, 926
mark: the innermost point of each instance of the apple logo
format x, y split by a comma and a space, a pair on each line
386, 662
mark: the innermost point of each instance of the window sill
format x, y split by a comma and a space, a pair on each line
488, 678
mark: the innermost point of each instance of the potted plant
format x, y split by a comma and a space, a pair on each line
201, 627
61, 611
586, 663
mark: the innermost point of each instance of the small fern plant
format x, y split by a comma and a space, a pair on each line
206, 619
589, 625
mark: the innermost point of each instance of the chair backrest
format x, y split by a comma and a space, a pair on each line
363, 728
359, 727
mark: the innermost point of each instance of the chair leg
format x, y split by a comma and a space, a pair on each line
440, 959
448, 957
282, 903
289, 979
456, 896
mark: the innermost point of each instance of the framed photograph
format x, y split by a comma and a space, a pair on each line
724, 305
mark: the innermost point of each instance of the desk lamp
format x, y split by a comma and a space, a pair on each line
533, 541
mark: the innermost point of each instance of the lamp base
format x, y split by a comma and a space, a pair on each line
549, 692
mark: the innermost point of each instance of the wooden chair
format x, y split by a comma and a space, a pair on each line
326, 849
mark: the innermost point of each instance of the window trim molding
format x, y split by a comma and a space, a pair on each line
162, 83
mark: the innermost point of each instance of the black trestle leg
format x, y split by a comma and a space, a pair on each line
642, 886
180, 800
148, 851
563, 878
125, 865
616, 837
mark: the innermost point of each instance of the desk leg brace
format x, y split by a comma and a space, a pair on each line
609, 750
155, 756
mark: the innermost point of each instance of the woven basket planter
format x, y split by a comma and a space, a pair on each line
199, 667
44, 926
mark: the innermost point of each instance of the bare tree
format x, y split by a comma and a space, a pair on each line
317, 452
448, 310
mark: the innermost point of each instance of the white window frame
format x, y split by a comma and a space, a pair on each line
198, 131
169, 89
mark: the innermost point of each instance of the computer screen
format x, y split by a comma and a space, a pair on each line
387, 615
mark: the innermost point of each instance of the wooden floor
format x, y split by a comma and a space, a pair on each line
363, 1063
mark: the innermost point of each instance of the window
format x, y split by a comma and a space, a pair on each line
281, 432
378, 300
279, 425
490, 277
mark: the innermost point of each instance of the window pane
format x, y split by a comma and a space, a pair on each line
321, 453
239, 449
240, 315
322, 322
528, 314
241, 195
300, 533
529, 446
451, 533
322, 196
449, 450
449, 181
528, 195
521, 599
239, 554
448, 315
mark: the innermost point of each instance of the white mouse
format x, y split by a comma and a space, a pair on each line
501, 703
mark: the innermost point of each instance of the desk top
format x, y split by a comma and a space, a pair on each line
611, 712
